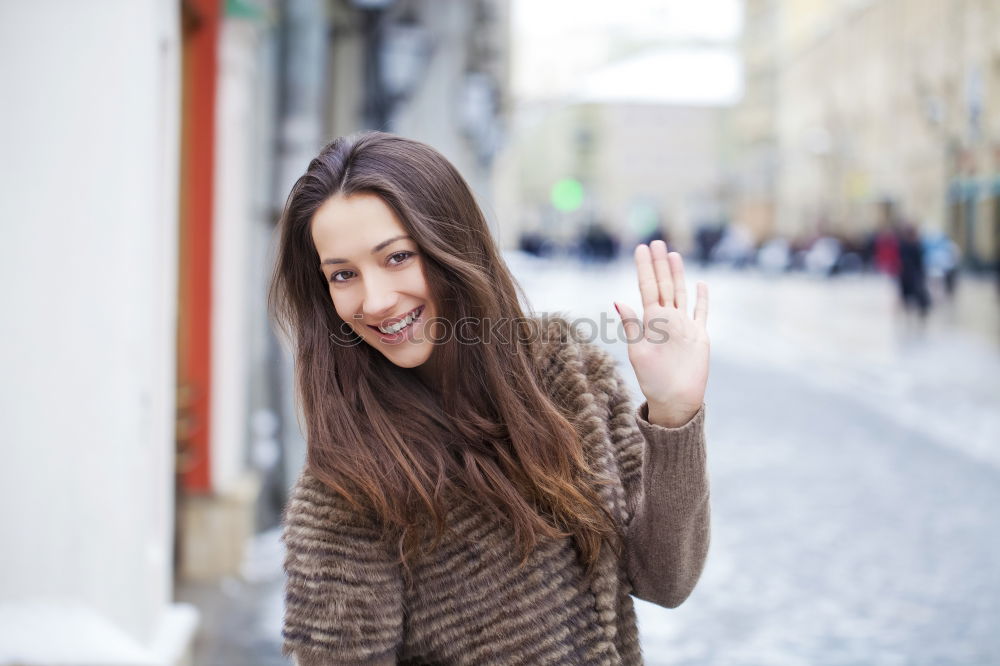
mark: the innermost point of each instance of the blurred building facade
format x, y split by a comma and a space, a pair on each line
859, 107
154, 427
643, 167
752, 149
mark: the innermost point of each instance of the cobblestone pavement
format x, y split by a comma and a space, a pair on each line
854, 471
838, 537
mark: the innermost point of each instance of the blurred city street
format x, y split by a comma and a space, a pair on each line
830, 169
854, 475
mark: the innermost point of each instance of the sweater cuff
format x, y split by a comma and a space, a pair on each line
683, 442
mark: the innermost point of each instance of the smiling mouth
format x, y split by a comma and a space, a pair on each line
396, 328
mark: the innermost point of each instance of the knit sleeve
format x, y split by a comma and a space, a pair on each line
668, 536
665, 479
343, 592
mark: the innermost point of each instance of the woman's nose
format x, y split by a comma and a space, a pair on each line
381, 298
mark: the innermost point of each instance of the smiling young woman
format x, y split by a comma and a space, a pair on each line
470, 499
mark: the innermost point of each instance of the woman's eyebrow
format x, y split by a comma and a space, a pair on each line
387, 241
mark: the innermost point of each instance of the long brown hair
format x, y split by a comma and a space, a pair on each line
487, 430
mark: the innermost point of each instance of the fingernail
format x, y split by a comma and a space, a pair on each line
617, 310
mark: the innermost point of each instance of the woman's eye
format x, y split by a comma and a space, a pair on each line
335, 278
403, 256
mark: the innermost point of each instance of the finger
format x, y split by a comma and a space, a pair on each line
701, 305
648, 290
680, 288
661, 266
631, 323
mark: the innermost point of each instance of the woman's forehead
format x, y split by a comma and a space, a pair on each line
353, 225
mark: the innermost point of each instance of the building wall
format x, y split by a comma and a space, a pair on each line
667, 157
89, 130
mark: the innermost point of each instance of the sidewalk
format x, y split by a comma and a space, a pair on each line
241, 616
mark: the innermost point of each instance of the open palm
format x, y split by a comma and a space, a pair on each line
668, 348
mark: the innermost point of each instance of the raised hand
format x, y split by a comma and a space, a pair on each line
668, 348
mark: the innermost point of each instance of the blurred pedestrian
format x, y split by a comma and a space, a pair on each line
912, 273
706, 237
478, 485
887, 259
868, 250
941, 257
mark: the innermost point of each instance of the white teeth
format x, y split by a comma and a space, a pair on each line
400, 325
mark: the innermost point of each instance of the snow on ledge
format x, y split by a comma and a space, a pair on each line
67, 633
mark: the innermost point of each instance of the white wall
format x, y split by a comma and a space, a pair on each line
88, 171
232, 283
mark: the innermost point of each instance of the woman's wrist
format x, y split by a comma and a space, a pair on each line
669, 417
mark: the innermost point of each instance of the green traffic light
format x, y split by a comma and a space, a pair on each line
567, 194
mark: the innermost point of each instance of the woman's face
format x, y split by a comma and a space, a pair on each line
375, 275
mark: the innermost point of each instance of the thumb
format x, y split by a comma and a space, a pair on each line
631, 323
